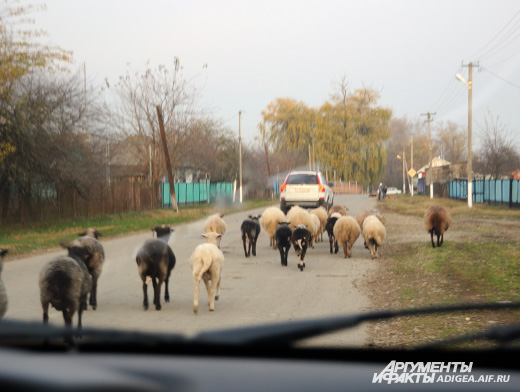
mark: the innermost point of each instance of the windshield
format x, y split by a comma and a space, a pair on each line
187, 116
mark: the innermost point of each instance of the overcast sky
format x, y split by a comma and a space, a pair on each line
257, 51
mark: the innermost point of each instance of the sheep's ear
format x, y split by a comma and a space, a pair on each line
204, 235
3, 252
221, 215
259, 216
65, 244
98, 234
250, 216
84, 233
220, 235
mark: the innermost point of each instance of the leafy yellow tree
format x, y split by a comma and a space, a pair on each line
346, 134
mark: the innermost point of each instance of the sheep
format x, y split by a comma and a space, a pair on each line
301, 238
215, 223
316, 229
95, 263
437, 220
321, 213
329, 227
65, 283
91, 232
346, 232
269, 221
363, 215
283, 240
250, 229
374, 233
3, 292
341, 209
300, 216
207, 262
156, 260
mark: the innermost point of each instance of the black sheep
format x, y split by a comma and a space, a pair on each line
329, 226
250, 229
283, 240
301, 238
156, 260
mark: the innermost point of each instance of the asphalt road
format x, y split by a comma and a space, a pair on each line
255, 290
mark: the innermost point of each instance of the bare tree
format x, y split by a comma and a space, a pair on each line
498, 154
453, 142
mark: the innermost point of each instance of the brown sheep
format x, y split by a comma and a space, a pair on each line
437, 220
341, 209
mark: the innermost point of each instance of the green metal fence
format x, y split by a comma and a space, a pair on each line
196, 193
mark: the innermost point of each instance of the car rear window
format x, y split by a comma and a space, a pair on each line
297, 179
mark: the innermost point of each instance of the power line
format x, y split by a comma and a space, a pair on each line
478, 53
501, 78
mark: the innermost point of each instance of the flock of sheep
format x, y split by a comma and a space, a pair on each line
66, 281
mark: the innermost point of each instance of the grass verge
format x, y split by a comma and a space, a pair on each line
21, 240
481, 267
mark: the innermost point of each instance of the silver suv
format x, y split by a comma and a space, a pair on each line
306, 189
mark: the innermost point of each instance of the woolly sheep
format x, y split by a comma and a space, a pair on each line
346, 232
65, 283
95, 263
155, 260
3, 292
300, 216
316, 229
301, 238
437, 220
206, 262
163, 232
374, 233
341, 209
215, 223
250, 229
321, 213
329, 227
283, 240
363, 215
269, 221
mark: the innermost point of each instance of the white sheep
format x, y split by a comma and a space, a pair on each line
346, 232
215, 223
321, 213
212, 237
374, 233
315, 229
206, 262
269, 221
300, 216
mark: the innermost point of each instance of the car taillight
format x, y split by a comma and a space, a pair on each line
321, 188
285, 183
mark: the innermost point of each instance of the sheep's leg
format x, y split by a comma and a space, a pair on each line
196, 283
345, 250
249, 245
254, 244
211, 292
336, 246
349, 250
330, 243
286, 255
93, 292
281, 250
244, 243
431, 234
442, 240
157, 282
145, 294
217, 295
166, 292
45, 307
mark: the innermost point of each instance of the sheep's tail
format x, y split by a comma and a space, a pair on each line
206, 263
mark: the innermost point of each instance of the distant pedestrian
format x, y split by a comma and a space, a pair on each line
384, 192
379, 191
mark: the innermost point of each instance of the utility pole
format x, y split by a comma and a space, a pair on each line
411, 162
404, 175
429, 120
240, 154
167, 159
470, 110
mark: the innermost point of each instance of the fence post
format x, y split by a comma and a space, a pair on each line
511, 192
